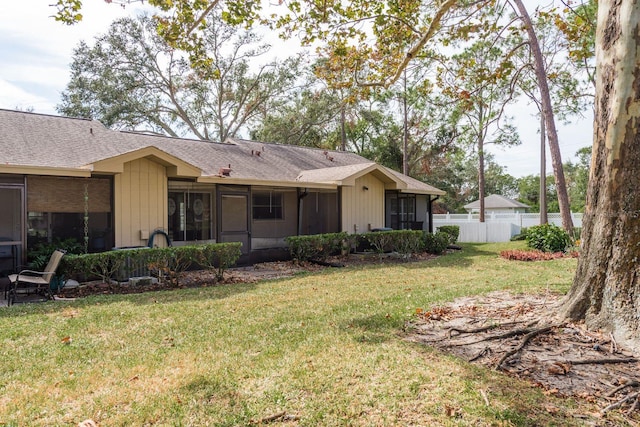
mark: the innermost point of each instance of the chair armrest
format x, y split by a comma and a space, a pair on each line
38, 273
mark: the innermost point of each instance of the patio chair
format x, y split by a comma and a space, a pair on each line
34, 282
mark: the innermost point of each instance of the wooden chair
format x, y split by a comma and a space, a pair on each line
34, 282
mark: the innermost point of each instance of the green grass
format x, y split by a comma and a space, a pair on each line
326, 347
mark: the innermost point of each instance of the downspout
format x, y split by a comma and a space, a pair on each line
430, 213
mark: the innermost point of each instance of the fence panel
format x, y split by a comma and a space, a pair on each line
498, 227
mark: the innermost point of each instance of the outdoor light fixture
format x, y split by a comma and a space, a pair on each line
365, 188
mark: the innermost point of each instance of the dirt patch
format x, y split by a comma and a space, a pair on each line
516, 334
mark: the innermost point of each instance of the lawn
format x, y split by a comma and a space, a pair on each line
326, 348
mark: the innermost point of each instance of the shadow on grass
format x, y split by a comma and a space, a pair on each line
374, 329
454, 259
502, 400
165, 296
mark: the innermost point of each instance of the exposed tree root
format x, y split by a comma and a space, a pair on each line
631, 397
601, 361
563, 359
504, 335
524, 342
632, 383
461, 331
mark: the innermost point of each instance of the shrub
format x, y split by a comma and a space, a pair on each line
452, 230
436, 243
164, 263
548, 238
218, 257
317, 247
407, 242
379, 241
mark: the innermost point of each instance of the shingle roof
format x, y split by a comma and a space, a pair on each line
495, 201
46, 141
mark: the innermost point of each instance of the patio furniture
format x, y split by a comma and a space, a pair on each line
34, 282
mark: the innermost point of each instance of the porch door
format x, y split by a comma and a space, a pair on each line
233, 218
11, 228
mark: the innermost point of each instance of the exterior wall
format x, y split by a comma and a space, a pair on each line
362, 209
140, 202
270, 233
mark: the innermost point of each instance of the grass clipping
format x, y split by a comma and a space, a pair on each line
509, 333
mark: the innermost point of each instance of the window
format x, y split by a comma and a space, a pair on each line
190, 216
402, 211
61, 208
267, 205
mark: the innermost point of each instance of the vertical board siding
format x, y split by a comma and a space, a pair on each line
140, 196
363, 208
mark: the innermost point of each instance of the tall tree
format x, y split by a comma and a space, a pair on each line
457, 175
309, 117
547, 113
477, 82
131, 79
606, 287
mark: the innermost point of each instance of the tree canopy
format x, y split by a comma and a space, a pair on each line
130, 78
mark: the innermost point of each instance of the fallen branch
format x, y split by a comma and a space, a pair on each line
484, 396
524, 342
271, 418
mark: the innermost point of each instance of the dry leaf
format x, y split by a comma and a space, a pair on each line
66, 340
551, 409
451, 411
558, 368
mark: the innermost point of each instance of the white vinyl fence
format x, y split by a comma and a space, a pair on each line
498, 227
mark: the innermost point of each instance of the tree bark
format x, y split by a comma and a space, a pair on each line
543, 174
481, 179
606, 289
547, 113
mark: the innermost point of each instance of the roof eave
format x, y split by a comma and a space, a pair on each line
46, 171
220, 179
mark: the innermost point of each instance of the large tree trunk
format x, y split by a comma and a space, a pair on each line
606, 288
547, 113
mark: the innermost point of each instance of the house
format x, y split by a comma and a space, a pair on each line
495, 203
74, 178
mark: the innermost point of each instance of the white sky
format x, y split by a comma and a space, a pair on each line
36, 51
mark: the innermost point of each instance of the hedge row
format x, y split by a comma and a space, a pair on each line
319, 247
163, 263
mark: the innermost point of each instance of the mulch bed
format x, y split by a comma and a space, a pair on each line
250, 274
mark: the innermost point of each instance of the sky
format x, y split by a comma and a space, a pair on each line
36, 52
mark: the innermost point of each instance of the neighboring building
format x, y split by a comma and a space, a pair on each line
74, 178
497, 204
